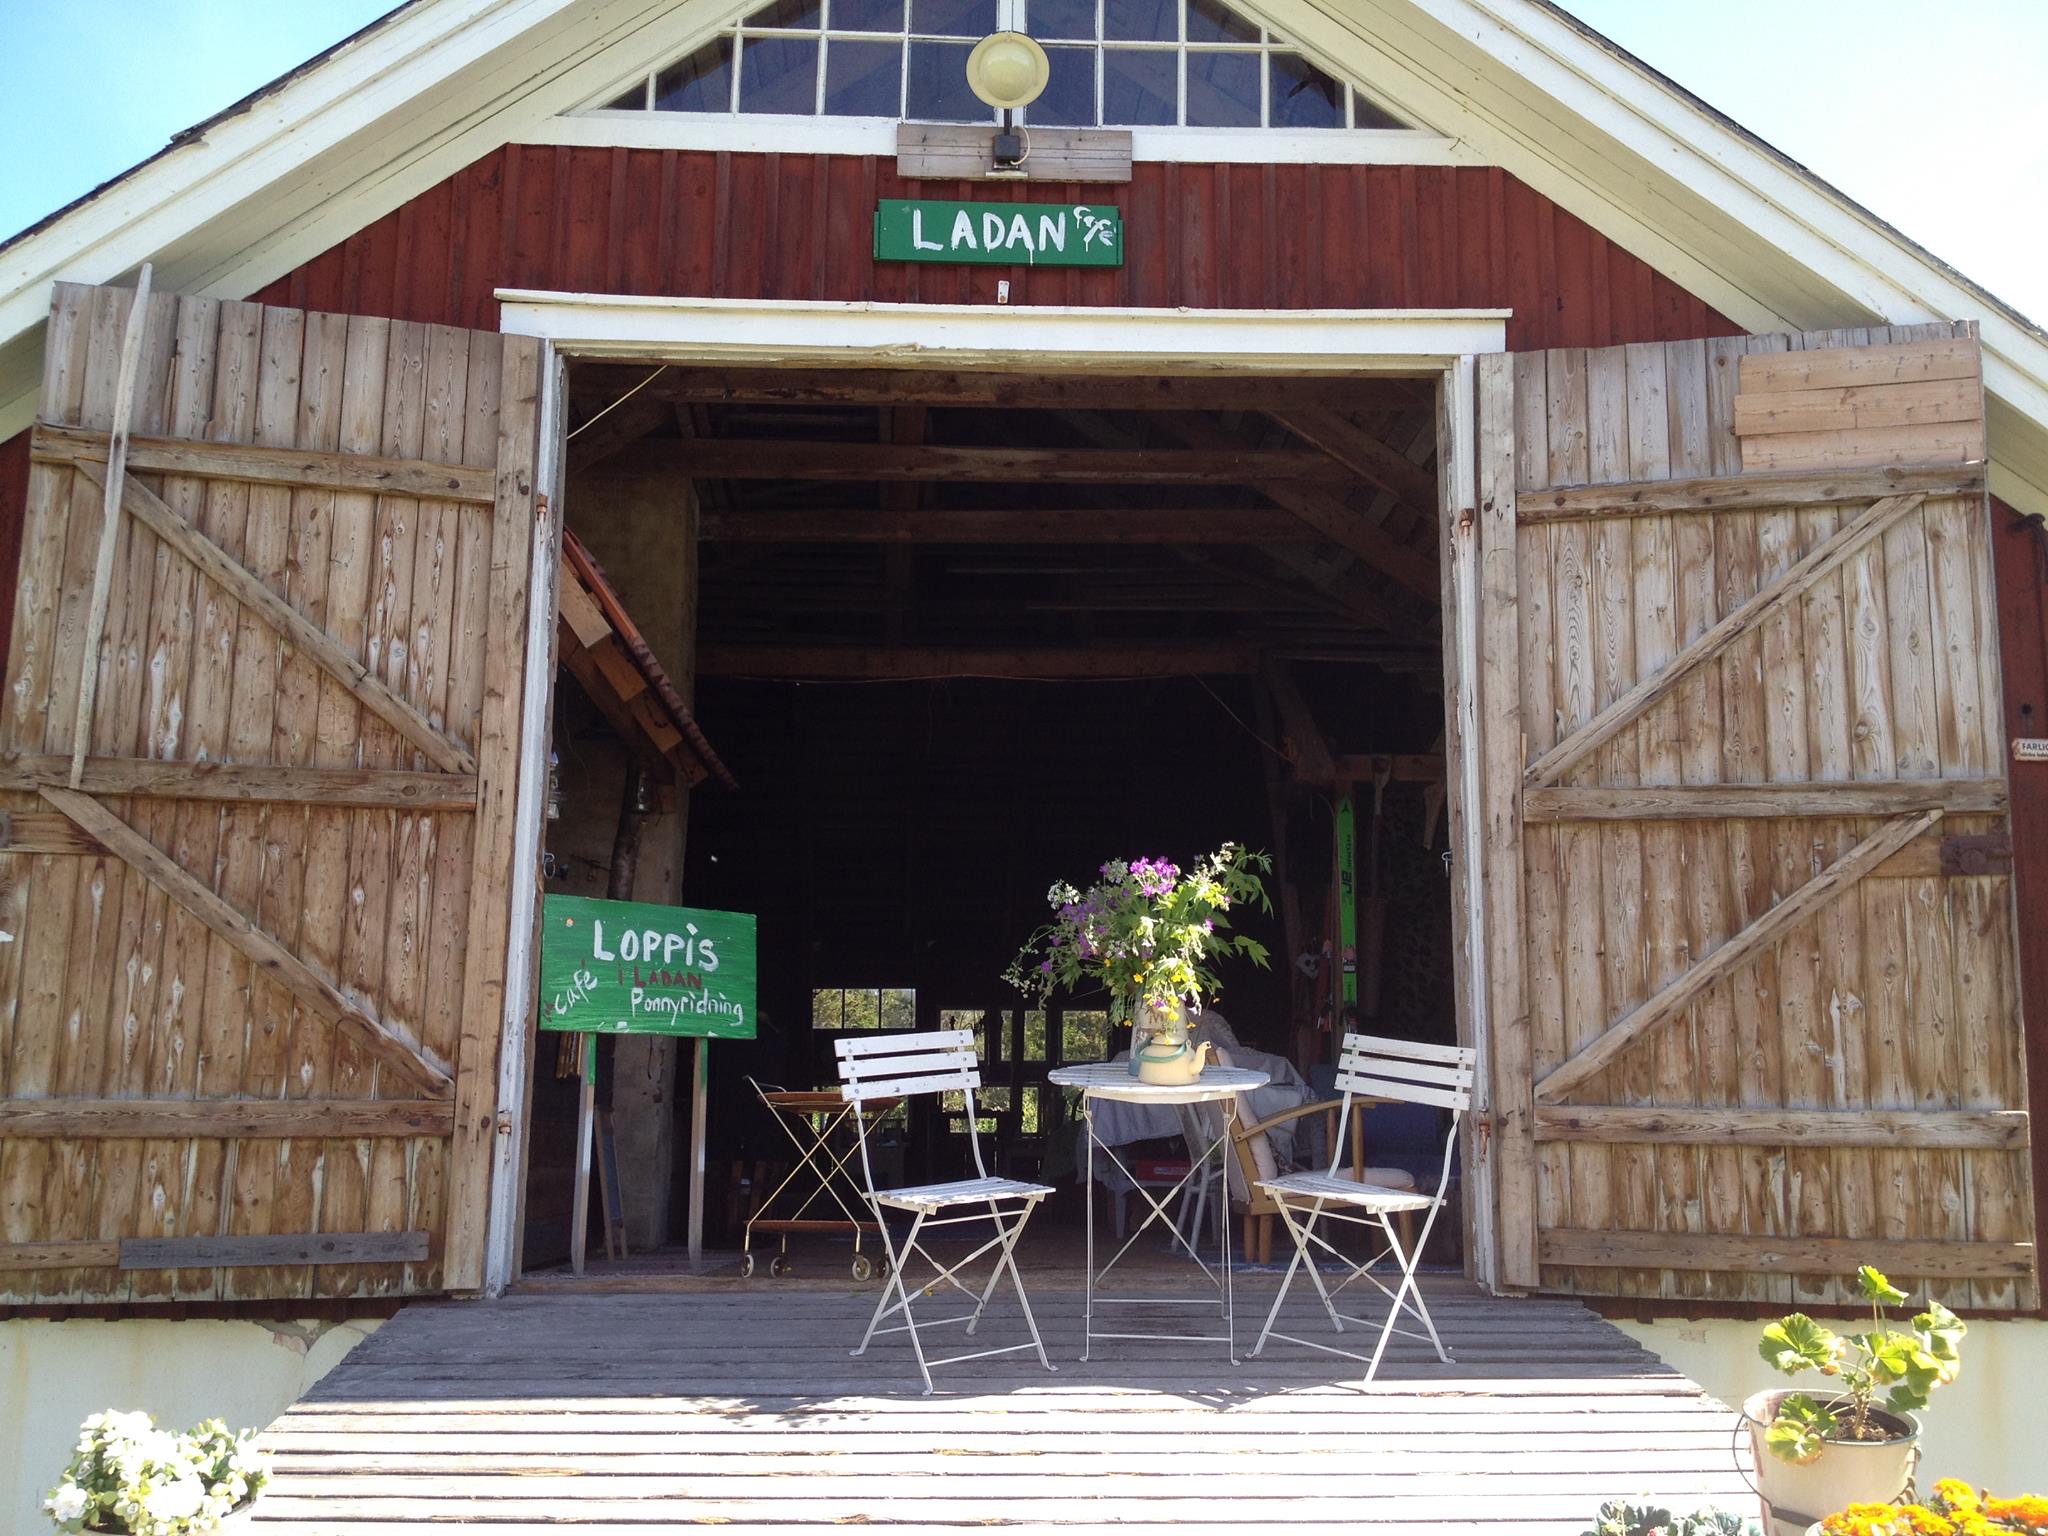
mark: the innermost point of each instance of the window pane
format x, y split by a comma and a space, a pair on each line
992, 1098
1223, 90
863, 1010
1028, 1121
1303, 96
1370, 114
1084, 1035
863, 79
899, 1009
1138, 87
953, 18
779, 74
867, 16
805, 15
634, 100
938, 85
1069, 97
1034, 1035
1061, 18
826, 1005
1210, 21
1146, 21
700, 83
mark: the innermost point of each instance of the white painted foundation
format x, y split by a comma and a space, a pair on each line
1984, 1427
53, 1374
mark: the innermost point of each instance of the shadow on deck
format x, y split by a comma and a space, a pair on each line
739, 1407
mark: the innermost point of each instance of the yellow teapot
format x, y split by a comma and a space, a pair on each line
1170, 1063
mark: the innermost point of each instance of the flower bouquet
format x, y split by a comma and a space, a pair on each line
128, 1476
1148, 933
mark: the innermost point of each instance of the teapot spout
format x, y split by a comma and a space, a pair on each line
1201, 1056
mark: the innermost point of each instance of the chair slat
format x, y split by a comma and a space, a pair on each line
1407, 1093
923, 1064
883, 1045
1414, 1071
1384, 1046
892, 1087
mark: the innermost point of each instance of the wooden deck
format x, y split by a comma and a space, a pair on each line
739, 1408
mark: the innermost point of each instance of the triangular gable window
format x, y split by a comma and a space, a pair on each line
1115, 63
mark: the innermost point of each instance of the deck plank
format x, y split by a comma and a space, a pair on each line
741, 1408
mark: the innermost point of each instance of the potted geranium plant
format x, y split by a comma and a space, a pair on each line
1818, 1454
1152, 936
130, 1477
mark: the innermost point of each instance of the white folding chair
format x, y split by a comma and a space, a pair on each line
1372, 1068
941, 1061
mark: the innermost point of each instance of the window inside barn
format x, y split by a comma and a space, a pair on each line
1115, 64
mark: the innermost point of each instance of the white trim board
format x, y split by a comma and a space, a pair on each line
822, 333
877, 136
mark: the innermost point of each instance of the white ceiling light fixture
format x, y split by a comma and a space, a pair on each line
1008, 70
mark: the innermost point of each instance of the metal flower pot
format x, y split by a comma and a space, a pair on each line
1848, 1472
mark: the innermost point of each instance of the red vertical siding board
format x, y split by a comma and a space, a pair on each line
2020, 562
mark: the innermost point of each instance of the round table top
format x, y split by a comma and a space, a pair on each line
1113, 1080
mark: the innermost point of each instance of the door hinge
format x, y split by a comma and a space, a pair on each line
1987, 854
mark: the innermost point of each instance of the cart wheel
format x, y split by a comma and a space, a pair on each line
778, 1266
863, 1267
746, 1266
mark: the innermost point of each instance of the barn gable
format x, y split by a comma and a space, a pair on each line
297, 168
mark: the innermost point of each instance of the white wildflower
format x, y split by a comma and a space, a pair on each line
178, 1499
65, 1503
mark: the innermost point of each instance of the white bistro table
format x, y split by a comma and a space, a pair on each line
1113, 1080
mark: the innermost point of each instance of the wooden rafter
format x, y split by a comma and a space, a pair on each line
307, 637
1312, 761
1639, 700
262, 951
1010, 525
1769, 926
969, 388
1129, 660
774, 459
1372, 460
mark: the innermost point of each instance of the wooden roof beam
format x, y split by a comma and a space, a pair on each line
958, 388
1365, 455
1123, 660
1009, 525
773, 459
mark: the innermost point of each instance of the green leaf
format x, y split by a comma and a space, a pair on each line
1877, 1288
1799, 1433
1797, 1343
1942, 1331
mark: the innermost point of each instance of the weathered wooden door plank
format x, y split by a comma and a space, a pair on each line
307, 637
258, 947
273, 1248
1688, 802
298, 468
1999, 1129
161, 779
1640, 699
1768, 491
1795, 1255
1802, 903
243, 1119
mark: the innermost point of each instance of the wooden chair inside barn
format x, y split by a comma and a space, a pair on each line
936, 1062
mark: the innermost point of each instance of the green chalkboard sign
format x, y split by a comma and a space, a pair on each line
1000, 234
628, 968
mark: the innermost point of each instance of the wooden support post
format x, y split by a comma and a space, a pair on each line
700, 1108
586, 1134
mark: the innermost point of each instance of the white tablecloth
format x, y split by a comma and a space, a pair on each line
1118, 1124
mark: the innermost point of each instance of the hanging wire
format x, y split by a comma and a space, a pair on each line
629, 394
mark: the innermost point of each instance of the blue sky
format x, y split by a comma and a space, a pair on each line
1958, 159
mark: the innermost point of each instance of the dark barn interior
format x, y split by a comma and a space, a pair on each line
957, 635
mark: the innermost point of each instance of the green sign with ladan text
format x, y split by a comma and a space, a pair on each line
1001, 234
629, 968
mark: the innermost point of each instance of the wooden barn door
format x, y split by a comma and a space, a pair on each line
253, 910
1749, 922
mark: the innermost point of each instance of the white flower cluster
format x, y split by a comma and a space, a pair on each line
128, 1475
1061, 894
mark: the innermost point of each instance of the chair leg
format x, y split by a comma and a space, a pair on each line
1286, 1280
1401, 1294
1008, 1260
